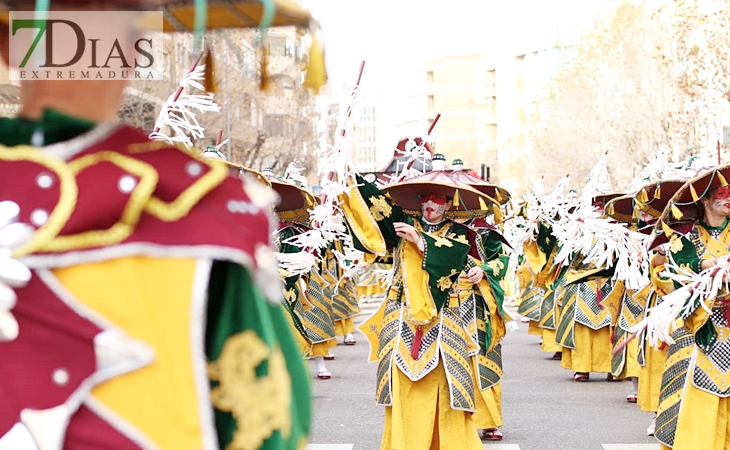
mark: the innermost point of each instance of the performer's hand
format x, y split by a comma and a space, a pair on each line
706, 264
475, 275
407, 232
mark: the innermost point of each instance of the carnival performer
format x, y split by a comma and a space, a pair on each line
424, 372
148, 319
310, 308
340, 273
584, 327
693, 402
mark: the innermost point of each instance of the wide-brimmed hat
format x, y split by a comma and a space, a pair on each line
654, 197
500, 194
292, 198
682, 207
406, 193
622, 209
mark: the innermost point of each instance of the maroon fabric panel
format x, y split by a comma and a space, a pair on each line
87, 431
52, 336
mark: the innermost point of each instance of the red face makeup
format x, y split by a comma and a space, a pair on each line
722, 193
439, 199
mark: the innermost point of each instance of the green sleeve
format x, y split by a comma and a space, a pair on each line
236, 305
374, 198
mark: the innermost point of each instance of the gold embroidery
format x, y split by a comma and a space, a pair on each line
132, 210
181, 206
445, 282
461, 238
675, 244
380, 209
260, 405
290, 295
686, 267
441, 241
496, 266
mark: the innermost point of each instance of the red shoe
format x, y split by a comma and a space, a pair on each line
558, 356
351, 341
324, 374
491, 434
580, 376
329, 357
631, 398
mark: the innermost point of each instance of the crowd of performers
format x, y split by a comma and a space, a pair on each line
633, 285
630, 284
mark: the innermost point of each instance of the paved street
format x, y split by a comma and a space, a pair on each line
544, 409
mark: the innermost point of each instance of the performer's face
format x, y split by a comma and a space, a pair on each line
434, 206
718, 202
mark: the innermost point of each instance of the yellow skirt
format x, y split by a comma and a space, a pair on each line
548, 341
631, 365
344, 326
534, 328
489, 407
592, 352
421, 417
703, 422
650, 379
323, 348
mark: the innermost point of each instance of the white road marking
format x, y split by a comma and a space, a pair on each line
631, 446
330, 446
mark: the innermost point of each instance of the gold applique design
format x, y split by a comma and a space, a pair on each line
290, 295
260, 405
675, 244
445, 282
461, 238
496, 266
380, 209
442, 241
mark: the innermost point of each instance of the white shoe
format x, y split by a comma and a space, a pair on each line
652, 427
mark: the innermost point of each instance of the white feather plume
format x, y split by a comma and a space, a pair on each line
180, 115
696, 291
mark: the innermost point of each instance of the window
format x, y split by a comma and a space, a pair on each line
429, 76
520, 85
430, 101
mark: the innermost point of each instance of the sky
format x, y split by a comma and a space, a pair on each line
391, 35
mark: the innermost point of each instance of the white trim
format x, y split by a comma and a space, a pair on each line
198, 311
68, 149
120, 424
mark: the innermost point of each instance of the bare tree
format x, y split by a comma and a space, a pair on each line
617, 93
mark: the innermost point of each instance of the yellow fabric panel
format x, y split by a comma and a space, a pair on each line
417, 291
489, 405
592, 351
703, 421
323, 348
362, 224
371, 329
535, 258
650, 378
150, 300
548, 344
344, 326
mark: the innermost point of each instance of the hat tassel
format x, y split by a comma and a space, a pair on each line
658, 192
721, 178
676, 212
456, 198
694, 193
482, 205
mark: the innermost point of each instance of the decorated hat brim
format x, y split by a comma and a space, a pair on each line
682, 207
500, 194
406, 195
621, 209
291, 197
654, 197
